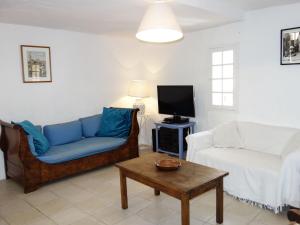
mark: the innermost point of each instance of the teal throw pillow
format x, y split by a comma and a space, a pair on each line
115, 122
31, 145
40, 142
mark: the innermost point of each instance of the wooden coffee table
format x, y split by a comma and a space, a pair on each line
190, 181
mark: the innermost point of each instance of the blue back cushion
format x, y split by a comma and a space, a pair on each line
90, 125
63, 133
40, 142
115, 122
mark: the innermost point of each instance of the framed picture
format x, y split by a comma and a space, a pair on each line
36, 64
290, 48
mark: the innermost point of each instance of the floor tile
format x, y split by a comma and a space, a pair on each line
87, 221
91, 183
54, 206
39, 197
3, 222
14, 206
7, 198
25, 216
156, 213
203, 212
10, 187
72, 193
41, 221
93, 204
238, 213
114, 213
171, 203
176, 220
134, 220
111, 215
209, 198
68, 216
266, 217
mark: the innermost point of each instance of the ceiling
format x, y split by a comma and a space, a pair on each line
259, 4
123, 16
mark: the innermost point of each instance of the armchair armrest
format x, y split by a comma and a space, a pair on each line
290, 179
198, 141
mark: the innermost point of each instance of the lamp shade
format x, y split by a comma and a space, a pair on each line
159, 25
138, 89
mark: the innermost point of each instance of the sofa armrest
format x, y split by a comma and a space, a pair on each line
134, 135
198, 141
20, 164
14, 142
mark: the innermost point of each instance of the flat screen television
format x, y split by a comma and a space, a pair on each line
176, 100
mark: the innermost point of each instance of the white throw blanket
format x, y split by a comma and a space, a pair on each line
263, 179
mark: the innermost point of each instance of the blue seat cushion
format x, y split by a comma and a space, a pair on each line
63, 133
37, 139
115, 122
90, 125
80, 149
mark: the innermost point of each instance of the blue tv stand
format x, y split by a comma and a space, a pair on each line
180, 128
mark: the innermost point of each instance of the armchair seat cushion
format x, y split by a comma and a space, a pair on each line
253, 175
84, 147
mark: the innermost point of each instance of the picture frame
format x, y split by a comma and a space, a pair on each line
36, 64
290, 46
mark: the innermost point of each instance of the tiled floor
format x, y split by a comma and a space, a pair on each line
94, 198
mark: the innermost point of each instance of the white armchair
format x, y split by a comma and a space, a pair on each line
263, 161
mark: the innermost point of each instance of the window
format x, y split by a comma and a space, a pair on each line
223, 78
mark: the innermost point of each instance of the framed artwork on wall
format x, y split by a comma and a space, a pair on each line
290, 46
36, 64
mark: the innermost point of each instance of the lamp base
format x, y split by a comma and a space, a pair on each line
139, 105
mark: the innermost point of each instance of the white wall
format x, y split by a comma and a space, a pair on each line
268, 91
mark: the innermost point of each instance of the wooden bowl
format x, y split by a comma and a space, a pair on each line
168, 164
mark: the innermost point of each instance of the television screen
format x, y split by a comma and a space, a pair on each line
176, 100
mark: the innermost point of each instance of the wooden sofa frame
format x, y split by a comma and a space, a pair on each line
26, 169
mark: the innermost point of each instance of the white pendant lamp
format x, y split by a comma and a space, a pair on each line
159, 24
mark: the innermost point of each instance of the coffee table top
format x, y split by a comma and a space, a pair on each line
190, 177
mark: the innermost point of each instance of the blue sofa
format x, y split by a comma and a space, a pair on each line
74, 148
76, 139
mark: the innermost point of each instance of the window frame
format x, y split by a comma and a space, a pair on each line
235, 64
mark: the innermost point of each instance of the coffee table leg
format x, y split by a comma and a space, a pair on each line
220, 199
185, 210
124, 198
